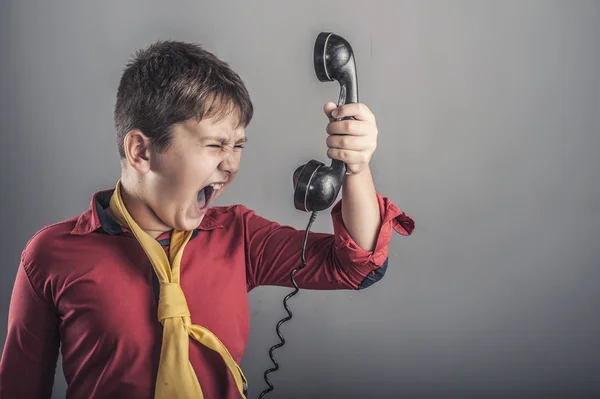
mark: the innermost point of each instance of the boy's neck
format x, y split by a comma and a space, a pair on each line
140, 212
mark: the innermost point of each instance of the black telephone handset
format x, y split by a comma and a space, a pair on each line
316, 186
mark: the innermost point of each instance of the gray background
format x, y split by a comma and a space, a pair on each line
488, 115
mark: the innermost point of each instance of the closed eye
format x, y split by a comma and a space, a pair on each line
220, 146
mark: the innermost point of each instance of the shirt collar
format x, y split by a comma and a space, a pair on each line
96, 217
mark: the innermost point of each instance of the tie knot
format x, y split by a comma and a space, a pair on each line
172, 302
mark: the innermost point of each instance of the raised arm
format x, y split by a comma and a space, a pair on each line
355, 256
334, 261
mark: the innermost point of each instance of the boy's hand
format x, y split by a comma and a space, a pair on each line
351, 141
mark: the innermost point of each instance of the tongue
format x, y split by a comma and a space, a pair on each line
201, 198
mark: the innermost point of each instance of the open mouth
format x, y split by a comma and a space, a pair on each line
206, 194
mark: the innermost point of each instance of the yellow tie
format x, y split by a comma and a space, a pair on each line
176, 378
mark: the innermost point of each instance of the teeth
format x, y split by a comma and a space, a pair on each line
216, 186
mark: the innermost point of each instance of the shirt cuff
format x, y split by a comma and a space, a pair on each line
392, 219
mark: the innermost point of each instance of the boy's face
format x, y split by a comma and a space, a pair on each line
201, 153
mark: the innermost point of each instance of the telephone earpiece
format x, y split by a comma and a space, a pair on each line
316, 185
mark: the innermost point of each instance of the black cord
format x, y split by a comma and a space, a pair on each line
282, 340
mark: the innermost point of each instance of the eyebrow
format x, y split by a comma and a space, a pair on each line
225, 139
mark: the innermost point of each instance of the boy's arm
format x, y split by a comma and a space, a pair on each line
360, 209
334, 261
30, 352
356, 254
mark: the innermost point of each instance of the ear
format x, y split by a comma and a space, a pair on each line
137, 150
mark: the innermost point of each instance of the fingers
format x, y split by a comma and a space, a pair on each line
349, 157
358, 110
352, 143
351, 127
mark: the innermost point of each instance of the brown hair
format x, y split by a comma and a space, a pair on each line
171, 82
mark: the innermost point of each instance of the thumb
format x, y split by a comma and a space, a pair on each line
328, 109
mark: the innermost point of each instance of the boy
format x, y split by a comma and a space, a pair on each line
146, 291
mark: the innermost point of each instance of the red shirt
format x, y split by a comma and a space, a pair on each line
86, 284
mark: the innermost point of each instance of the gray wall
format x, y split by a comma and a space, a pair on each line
489, 123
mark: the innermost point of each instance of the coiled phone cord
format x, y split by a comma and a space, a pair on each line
289, 316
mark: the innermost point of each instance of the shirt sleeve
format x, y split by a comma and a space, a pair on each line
333, 261
30, 352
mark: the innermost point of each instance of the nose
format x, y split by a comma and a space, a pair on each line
230, 163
